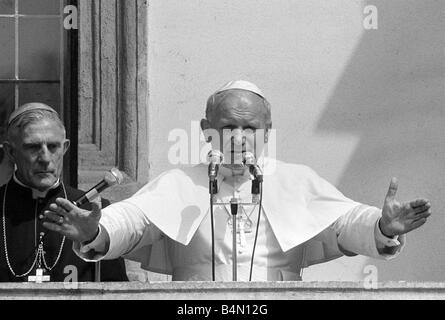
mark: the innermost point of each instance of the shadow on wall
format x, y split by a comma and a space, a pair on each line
392, 95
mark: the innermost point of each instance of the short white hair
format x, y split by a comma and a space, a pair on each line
24, 119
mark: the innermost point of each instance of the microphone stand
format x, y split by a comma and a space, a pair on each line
234, 203
257, 197
213, 189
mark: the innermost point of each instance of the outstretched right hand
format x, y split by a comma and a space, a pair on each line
74, 223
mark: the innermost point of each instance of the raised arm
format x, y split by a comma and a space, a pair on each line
74, 223
123, 228
402, 217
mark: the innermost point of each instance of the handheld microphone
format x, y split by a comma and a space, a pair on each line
254, 169
112, 177
215, 158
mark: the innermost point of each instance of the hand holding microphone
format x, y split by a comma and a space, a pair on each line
77, 224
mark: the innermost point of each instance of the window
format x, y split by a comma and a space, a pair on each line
36, 57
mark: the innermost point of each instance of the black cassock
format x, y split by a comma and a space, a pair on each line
23, 228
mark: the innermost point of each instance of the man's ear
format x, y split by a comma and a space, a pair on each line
205, 125
9, 150
66, 146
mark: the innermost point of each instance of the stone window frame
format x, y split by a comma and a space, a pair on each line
113, 92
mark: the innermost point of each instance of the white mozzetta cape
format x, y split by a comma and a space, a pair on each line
298, 205
297, 202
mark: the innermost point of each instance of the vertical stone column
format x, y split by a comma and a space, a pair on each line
113, 92
113, 98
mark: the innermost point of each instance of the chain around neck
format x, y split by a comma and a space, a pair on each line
40, 254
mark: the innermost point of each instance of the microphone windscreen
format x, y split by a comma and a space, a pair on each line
248, 158
215, 156
114, 176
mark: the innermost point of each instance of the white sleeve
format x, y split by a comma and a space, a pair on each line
358, 233
123, 229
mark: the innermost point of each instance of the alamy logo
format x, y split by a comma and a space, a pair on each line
190, 148
372, 277
72, 17
71, 281
370, 22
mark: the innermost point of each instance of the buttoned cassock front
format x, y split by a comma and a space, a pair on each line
22, 228
305, 220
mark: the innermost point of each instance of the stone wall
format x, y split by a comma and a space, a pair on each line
231, 291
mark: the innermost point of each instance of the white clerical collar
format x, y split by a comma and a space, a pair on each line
227, 173
37, 193
266, 164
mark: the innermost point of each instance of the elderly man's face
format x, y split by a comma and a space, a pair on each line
38, 151
237, 119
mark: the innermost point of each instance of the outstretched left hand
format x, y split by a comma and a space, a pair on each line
399, 218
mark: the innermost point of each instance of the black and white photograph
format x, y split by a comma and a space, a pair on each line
242, 151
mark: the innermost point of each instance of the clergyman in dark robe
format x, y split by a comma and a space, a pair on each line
36, 143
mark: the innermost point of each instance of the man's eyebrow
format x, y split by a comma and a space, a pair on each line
39, 143
31, 144
253, 125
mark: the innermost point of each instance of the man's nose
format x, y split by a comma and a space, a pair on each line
44, 155
238, 137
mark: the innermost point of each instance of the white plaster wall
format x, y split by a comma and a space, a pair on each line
358, 106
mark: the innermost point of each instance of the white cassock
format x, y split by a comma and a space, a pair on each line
305, 220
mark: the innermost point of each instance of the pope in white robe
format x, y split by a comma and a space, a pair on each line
304, 219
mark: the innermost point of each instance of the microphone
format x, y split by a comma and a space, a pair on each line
112, 177
215, 158
254, 169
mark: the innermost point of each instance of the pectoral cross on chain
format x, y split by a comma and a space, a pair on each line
39, 277
242, 235
244, 225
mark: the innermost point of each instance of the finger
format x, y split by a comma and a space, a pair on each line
419, 203
423, 215
421, 209
414, 214
56, 209
53, 216
96, 208
53, 227
97, 201
65, 204
416, 224
392, 190
409, 209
